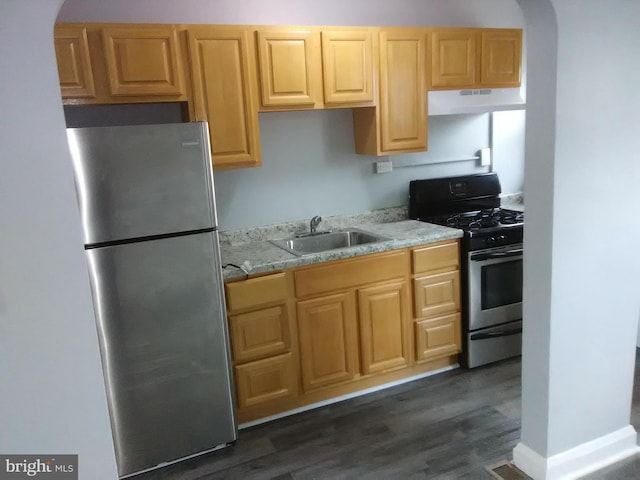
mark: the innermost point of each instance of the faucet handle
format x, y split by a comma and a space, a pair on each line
315, 221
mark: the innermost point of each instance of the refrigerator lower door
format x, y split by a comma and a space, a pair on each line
164, 344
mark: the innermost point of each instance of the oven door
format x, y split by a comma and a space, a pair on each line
495, 286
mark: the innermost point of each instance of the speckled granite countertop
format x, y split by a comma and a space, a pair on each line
252, 250
514, 201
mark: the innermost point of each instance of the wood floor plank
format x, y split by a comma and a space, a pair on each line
449, 426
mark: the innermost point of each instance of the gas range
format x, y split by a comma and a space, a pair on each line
470, 203
491, 260
490, 227
481, 221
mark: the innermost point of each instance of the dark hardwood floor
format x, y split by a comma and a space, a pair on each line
448, 426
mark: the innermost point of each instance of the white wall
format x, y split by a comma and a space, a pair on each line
495, 13
583, 327
52, 397
581, 262
311, 168
595, 272
507, 140
309, 161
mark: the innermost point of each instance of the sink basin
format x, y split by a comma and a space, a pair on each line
321, 242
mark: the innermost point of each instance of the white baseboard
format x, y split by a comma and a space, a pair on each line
578, 461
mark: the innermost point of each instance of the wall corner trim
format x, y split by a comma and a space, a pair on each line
578, 461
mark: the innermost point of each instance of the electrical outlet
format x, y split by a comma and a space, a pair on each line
384, 167
485, 156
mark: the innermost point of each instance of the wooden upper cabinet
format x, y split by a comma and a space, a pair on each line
466, 58
224, 90
74, 62
399, 123
501, 57
453, 58
289, 61
143, 61
403, 101
347, 66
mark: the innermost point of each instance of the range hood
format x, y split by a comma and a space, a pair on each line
451, 102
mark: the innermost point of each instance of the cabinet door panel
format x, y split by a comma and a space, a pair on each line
438, 337
347, 60
437, 294
224, 94
328, 340
266, 380
383, 327
501, 58
453, 60
143, 61
289, 61
403, 90
74, 62
260, 334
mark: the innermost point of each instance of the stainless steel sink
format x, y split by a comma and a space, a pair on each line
324, 241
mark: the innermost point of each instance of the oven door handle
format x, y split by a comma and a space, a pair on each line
502, 333
487, 256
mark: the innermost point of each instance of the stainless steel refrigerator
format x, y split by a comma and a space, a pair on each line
147, 205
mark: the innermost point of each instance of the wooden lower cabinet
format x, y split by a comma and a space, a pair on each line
437, 337
436, 300
318, 332
437, 294
265, 381
384, 340
328, 340
260, 334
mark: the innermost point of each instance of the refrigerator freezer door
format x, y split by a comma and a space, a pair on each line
163, 338
145, 180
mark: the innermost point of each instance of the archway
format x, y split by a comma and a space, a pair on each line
577, 366
580, 280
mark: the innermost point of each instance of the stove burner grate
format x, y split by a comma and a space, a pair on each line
479, 219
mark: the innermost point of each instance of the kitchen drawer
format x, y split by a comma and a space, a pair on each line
266, 380
256, 292
350, 273
259, 334
436, 294
438, 337
436, 257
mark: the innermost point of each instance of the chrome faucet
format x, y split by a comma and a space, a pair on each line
313, 225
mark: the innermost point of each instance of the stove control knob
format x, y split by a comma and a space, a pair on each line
491, 240
502, 238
